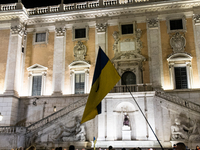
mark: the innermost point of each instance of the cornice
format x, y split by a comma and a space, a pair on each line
156, 8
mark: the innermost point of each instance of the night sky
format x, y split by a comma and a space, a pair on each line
40, 3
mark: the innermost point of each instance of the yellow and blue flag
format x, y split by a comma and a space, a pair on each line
104, 79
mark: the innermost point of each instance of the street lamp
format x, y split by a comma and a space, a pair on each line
1, 117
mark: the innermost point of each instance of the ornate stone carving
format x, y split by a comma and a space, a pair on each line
181, 132
178, 130
101, 27
60, 31
178, 42
80, 51
74, 133
116, 38
196, 18
152, 23
18, 29
138, 41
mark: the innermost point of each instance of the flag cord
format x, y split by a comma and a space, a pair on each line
143, 115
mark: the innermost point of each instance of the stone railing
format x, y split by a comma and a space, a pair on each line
132, 88
177, 100
8, 129
51, 118
6, 7
73, 6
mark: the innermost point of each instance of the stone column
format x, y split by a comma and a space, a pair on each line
14, 60
155, 52
101, 36
59, 61
197, 41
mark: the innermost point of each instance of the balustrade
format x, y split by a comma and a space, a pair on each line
132, 88
68, 7
6, 7
7, 129
54, 8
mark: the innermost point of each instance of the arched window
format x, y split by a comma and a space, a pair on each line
128, 78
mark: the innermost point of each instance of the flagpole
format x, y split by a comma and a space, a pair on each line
143, 115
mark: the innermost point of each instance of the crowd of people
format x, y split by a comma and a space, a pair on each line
178, 146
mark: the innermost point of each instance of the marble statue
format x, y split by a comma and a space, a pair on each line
75, 133
178, 131
126, 119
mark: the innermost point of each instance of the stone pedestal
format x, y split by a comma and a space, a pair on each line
126, 133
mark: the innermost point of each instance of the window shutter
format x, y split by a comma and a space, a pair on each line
36, 85
181, 77
79, 83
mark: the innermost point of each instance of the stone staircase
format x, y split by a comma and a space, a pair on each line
177, 100
47, 121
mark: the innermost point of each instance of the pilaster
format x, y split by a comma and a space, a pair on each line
12, 84
196, 27
155, 52
101, 36
59, 61
102, 122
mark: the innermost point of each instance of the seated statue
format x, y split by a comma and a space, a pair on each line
178, 131
126, 119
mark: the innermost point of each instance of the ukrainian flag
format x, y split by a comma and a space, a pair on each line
104, 79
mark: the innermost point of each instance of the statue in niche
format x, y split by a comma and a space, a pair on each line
126, 119
80, 51
179, 131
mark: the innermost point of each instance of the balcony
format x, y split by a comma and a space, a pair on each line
132, 88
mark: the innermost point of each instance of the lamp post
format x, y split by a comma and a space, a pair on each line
1, 117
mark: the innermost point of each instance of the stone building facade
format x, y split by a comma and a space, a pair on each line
47, 60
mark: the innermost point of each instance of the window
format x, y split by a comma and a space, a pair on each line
40, 37
128, 78
80, 33
36, 85
127, 29
79, 76
180, 69
180, 77
37, 78
79, 83
176, 24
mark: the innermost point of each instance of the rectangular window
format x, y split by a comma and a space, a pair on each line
80, 33
40, 37
176, 24
127, 29
79, 83
36, 85
181, 77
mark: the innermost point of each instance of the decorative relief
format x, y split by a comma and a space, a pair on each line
180, 131
116, 38
196, 18
18, 29
138, 41
178, 42
101, 27
152, 23
75, 133
60, 31
80, 51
